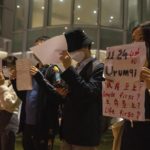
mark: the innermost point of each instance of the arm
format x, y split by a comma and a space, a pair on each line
91, 89
145, 76
48, 88
20, 94
10, 100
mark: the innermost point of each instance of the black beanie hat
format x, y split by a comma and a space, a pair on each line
77, 39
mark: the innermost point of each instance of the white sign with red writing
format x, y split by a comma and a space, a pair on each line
125, 100
124, 62
125, 96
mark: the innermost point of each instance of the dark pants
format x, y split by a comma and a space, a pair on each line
7, 140
31, 140
7, 136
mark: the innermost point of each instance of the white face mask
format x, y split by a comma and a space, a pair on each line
77, 56
6, 72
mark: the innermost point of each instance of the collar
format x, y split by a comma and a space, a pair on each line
83, 64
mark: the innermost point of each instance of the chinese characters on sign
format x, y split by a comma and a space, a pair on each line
123, 93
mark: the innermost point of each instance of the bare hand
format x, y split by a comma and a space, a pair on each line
145, 76
65, 59
2, 79
34, 70
12, 74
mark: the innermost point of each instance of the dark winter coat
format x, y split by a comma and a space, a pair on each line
83, 106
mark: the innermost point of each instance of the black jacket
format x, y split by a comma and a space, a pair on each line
47, 107
83, 106
137, 137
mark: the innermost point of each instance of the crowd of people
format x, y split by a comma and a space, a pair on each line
74, 95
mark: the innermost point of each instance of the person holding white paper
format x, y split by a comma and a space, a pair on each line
51, 50
39, 118
81, 128
136, 134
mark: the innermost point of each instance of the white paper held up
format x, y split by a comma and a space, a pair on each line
49, 51
24, 78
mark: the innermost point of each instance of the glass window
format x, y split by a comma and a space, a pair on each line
19, 16
133, 17
32, 36
110, 38
133, 14
37, 13
146, 10
86, 13
17, 42
60, 12
112, 13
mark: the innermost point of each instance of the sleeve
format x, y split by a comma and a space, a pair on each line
10, 100
86, 89
20, 94
49, 88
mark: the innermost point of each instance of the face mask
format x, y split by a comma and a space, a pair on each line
6, 72
77, 56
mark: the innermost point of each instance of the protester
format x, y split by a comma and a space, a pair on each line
136, 134
9, 107
39, 110
83, 105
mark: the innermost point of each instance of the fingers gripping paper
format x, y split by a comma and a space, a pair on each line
24, 79
49, 51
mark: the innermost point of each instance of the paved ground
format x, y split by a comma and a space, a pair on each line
106, 142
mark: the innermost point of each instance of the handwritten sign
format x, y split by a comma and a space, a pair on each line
24, 79
124, 62
125, 100
124, 94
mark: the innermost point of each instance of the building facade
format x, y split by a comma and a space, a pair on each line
108, 22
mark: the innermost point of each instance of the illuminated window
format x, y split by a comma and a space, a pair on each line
38, 13
86, 13
111, 13
60, 12
146, 10
19, 16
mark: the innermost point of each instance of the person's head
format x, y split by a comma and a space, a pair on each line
40, 40
137, 35
79, 44
8, 64
142, 33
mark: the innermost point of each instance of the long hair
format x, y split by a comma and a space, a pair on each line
146, 35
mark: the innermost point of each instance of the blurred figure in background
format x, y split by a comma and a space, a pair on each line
9, 107
39, 116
